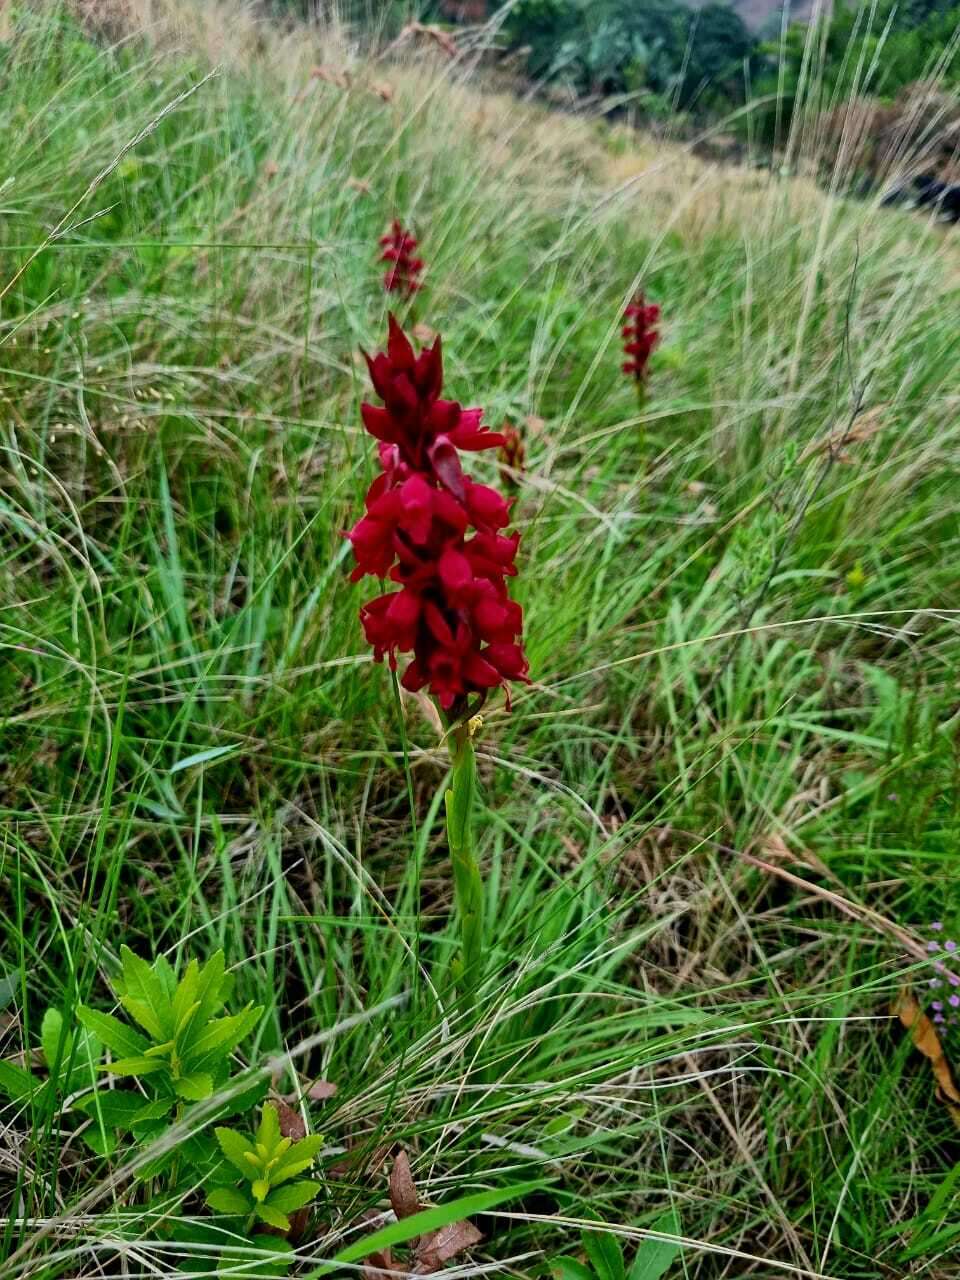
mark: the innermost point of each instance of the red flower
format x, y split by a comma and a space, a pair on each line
435, 532
640, 336
400, 251
511, 455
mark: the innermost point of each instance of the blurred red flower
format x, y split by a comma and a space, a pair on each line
640, 336
512, 455
400, 252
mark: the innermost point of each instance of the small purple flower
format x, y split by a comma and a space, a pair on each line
944, 1011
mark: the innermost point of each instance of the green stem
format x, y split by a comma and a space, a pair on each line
466, 873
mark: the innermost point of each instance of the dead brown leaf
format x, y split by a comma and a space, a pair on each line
403, 1192
381, 1266
448, 1242
430, 1251
382, 90
437, 35
423, 333
330, 76
774, 848
292, 1124
359, 184
924, 1035
535, 424
271, 169
321, 1090
864, 427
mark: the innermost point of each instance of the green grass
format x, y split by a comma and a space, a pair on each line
737, 636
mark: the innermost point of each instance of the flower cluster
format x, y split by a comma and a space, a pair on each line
400, 252
946, 984
640, 336
511, 455
436, 533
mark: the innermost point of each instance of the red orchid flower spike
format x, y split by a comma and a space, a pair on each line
640, 336
436, 534
512, 455
400, 253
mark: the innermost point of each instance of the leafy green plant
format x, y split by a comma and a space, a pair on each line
268, 1191
266, 1165
653, 1258
181, 1055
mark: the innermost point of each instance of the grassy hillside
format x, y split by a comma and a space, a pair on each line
717, 824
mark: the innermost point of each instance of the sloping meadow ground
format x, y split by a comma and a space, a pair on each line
732, 779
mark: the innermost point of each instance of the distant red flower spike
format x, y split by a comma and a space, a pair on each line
640, 336
404, 267
512, 455
435, 532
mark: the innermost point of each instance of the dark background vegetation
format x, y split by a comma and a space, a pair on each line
664, 57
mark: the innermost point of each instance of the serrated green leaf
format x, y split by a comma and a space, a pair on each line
117, 1109
186, 990
164, 971
99, 1140
143, 984
183, 1021
161, 1050
143, 1013
154, 1168
185, 997
17, 1083
55, 1041
116, 1035
292, 1197
135, 1066
235, 1147
152, 1117
606, 1256
228, 1200
272, 1217
200, 1150
299, 1158
268, 1132
212, 988
570, 1269
218, 1038
245, 1100
194, 1087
